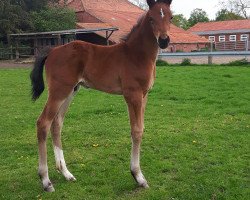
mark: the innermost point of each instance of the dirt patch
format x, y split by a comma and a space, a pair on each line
11, 64
204, 59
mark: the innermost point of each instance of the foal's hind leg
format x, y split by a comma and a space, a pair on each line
136, 108
55, 100
56, 129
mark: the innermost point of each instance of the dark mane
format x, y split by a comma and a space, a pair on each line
135, 27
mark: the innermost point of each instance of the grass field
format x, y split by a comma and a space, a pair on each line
195, 146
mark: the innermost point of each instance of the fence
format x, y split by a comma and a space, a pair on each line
207, 55
231, 46
228, 47
8, 52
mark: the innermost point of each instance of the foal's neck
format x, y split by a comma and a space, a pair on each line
143, 41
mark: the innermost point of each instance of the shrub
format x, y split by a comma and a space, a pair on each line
186, 62
161, 63
241, 62
53, 19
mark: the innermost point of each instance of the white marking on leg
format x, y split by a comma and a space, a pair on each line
135, 165
61, 165
162, 13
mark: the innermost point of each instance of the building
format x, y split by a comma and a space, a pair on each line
123, 15
35, 42
226, 35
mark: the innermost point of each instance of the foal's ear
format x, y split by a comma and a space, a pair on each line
151, 3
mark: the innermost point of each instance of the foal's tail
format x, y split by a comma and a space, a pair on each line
36, 76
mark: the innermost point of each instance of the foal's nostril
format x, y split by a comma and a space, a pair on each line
163, 43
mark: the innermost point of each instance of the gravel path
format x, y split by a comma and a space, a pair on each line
196, 60
14, 65
204, 59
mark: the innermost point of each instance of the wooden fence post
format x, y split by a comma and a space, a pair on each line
210, 59
11, 52
10, 47
35, 46
17, 50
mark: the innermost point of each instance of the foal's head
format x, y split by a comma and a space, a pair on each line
160, 19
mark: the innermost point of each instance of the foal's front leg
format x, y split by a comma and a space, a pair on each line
135, 103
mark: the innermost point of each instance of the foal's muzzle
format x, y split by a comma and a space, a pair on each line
163, 43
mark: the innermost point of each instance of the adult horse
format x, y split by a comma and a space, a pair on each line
126, 69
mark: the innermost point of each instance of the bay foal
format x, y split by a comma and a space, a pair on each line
126, 69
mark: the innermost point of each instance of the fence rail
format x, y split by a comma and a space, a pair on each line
232, 46
239, 48
9, 52
214, 53
209, 55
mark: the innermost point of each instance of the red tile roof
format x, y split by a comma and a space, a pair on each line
110, 5
94, 26
180, 36
221, 25
124, 15
124, 20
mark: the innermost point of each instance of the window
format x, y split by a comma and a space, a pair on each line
232, 38
244, 37
222, 38
211, 38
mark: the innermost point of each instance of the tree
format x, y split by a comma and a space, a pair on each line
33, 15
240, 7
53, 19
224, 14
197, 15
140, 3
33, 5
180, 21
13, 19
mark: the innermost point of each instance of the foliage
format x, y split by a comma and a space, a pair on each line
29, 15
180, 21
242, 62
224, 14
33, 5
186, 62
161, 63
53, 19
13, 19
240, 7
197, 15
195, 145
5, 52
179, 50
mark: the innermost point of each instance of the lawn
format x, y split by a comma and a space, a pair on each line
195, 146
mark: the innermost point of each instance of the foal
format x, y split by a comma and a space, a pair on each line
126, 69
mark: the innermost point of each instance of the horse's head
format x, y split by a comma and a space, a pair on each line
160, 19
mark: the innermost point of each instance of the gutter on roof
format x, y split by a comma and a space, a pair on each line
66, 32
189, 42
221, 32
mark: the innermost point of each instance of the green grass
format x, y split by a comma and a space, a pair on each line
195, 146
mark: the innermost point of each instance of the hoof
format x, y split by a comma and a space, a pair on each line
144, 185
73, 179
49, 188
139, 178
69, 176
